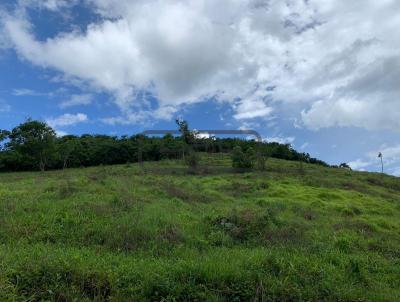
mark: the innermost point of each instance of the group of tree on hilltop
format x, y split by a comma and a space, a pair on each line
34, 145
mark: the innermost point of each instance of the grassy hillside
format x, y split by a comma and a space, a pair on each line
121, 233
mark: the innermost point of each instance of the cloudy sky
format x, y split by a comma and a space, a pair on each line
322, 75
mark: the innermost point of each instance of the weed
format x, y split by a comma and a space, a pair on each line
66, 189
358, 226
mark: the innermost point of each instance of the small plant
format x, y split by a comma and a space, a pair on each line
66, 189
192, 161
260, 162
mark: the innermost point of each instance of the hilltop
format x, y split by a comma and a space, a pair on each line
295, 232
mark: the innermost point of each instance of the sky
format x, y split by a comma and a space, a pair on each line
322, 75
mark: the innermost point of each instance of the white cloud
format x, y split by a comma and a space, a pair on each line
52, 5
61, 133
77, 100
67, 119
396, 172
280, 140
304, 146
147, 117
391, 160
391, 154
359, 164
337, 60
4, 107
22, 92
249, 109
26, 92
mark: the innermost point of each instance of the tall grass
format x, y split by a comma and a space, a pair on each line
123, 233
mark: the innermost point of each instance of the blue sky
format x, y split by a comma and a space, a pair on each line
321, 75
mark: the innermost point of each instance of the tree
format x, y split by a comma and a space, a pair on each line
34, 141
241, 160
33, 145
66, 147
192, 161
345, 166
187, 135
260, 162
380, 155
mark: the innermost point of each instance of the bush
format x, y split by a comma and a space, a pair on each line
192, 160
241, 160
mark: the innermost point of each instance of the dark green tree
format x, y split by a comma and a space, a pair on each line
187, 135
34, 141
345, 166
260, 161
243, 160
33, 145
67, 148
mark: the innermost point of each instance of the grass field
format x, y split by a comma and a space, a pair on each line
123, 233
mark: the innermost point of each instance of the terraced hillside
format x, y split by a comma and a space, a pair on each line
126, 233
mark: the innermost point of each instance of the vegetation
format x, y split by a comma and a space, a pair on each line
122, 233
243, 160
33, 145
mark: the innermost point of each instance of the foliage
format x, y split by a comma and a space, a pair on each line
187, 135
345, 166
34, 141
192, 160
119, 233
33, 145
242, 160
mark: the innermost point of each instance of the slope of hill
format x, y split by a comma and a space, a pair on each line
122, 233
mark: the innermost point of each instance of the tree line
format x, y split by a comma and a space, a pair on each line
34, 145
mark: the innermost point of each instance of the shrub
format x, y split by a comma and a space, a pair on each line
192, 160
241, 160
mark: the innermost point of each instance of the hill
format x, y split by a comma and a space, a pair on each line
295, 232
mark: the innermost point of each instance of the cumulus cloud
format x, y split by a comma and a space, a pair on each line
359, 164
77, 100
67, 119
336, 60
371, 161
250, 109
391, 154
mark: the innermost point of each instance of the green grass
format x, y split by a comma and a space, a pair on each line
124, 233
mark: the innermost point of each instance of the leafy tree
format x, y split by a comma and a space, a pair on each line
33, 145
241, 160
34, 141
260, 162
187, 135
345, 166
67, 147
250, 157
